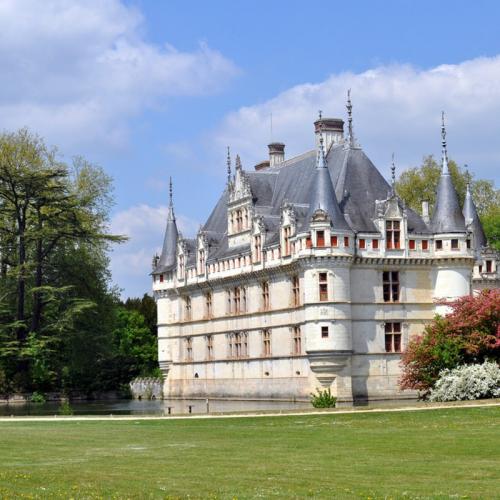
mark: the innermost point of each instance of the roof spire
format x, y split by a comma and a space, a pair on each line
228, 161
350, 137
168, 258
447, 216
393, 175
445, 170
321, 151
238, 163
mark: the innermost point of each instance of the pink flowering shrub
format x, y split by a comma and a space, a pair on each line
470, 333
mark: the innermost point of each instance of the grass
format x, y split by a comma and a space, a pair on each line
426, 454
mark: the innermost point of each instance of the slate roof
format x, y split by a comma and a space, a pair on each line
355, 180
473, 223
447, 216
167, 258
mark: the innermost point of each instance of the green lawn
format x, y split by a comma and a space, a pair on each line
437, 454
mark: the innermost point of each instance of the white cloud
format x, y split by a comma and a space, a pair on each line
74, 70
144, 225
396, 108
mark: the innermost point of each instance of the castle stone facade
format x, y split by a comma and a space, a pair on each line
310, 273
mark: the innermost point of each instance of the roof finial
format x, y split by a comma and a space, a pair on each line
393, 174
228, 161
445, 170
171, 193
350, 138
238, 162
321, 152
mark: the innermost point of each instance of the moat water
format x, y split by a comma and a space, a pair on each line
153, 408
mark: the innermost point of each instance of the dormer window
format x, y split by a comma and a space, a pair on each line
362, 243
201, 260
320, 238
257, 248
334, 241
239, 221
287, 232
392, 234
454, 244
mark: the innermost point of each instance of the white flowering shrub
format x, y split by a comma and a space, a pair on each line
467, 382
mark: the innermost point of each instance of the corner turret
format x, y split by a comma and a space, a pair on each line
447, 216
168, 257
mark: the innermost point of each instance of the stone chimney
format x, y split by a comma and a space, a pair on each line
276, 153
333, 131
425, 212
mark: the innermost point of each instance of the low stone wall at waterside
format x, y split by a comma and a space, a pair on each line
146, 388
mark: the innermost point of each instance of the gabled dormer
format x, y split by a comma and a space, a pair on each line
239, 207
258, 239
201, 253
288, 228
392, 222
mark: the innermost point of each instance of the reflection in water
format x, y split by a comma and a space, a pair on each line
158, 407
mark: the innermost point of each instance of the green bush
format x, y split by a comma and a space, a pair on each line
37, 397
323, 399
65, 408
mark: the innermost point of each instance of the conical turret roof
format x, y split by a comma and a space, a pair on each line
167, 260
472, 221
323, 194
447, 216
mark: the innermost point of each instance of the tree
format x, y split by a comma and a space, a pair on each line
49, 213
470, 333
419, 184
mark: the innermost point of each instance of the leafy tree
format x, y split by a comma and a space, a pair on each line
470, 333
51, 216
420, 184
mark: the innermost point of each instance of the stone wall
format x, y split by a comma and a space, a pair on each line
146, 388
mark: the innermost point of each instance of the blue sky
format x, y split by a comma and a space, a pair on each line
149, 89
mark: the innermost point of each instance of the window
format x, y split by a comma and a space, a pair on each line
391, 286
346, 241
181, 266
201, 261
287, 231
237, 345
161, 278
362, 243
375, 244
239, 220
189, 349
230, 345
229, 302
266, 342
295, 291
480, 268
425, 244
187, 308
244, 345
334, 241
489, 266
243, 300
324, 332
392, 234
468, 244
393, 337
297, 340
208, 305
439, 244
412, 244
454, 244
265, 295
323, 287
236, 301
308, 242
257, 249
210, 347
320, 238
